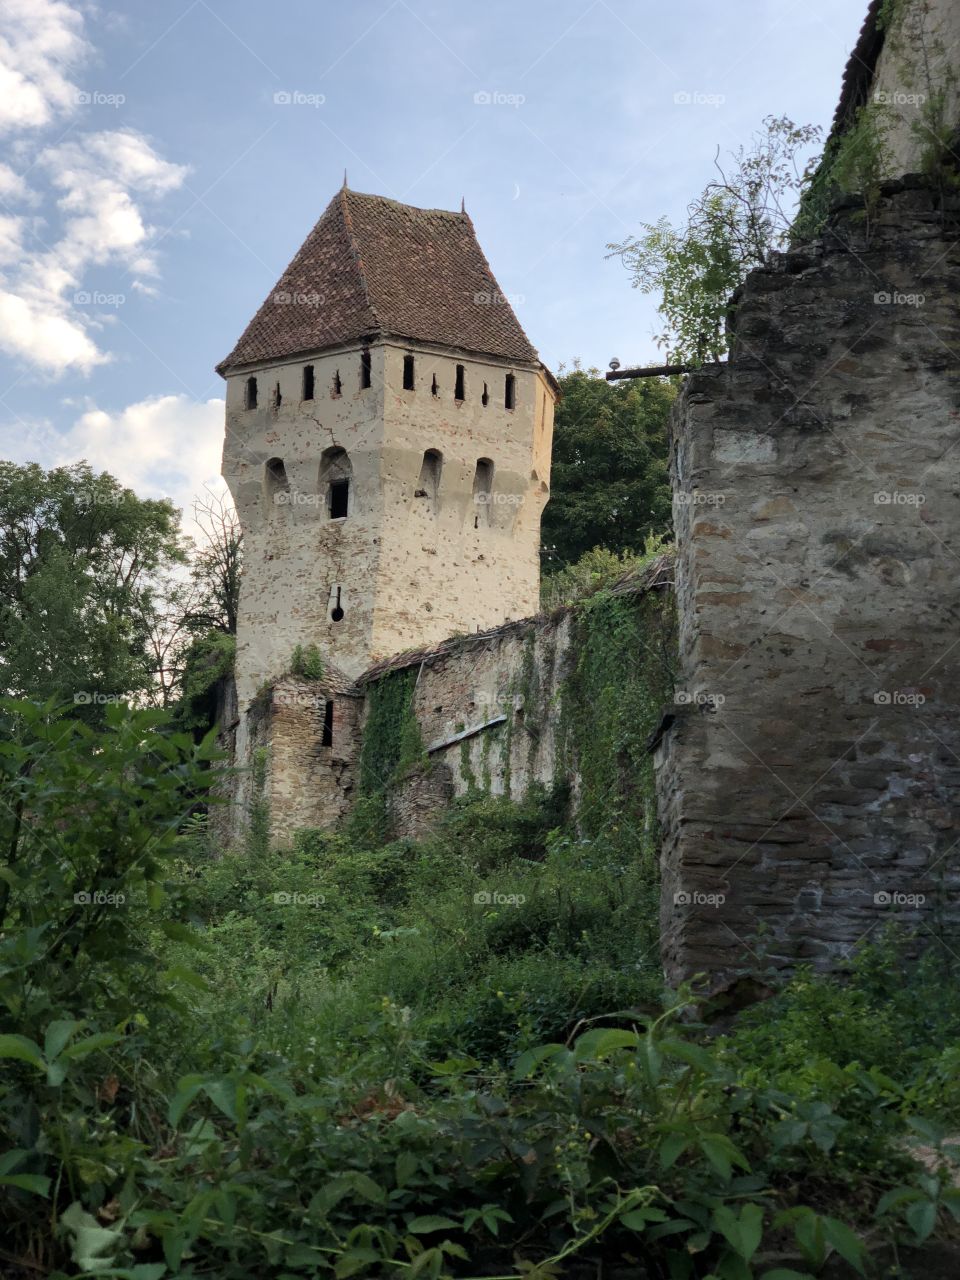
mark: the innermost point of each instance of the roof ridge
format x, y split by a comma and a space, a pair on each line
402, 204
357, 256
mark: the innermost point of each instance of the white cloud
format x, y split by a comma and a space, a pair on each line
39, 330
102, 183
12, 186
102, 179
41, 42
164, 446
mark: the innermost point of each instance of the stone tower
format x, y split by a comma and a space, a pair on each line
388, 437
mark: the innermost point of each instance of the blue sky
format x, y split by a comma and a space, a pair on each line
161, 162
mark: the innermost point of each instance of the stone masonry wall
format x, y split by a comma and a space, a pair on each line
307, 783
810, 778
488, 711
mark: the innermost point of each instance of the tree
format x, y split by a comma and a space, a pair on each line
80, 557
731, 227
609, 485
191, 629
205, 623
217, 565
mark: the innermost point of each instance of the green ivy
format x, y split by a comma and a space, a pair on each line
611, 703
307, 663
209, 660
392, 744
257, 836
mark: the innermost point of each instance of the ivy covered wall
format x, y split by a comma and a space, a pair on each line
569, 700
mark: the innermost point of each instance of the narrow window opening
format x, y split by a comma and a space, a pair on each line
250, 394
277, 484
277, 397
458, 391
308, 382
482, 492
485, 398
337, 385
435, 388
364, 369
326, 739
408, 373
339, 499
428, 486
334, 481
336, 610
510, 392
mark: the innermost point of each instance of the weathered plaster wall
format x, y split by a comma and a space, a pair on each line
293, 553
920, 58
410, 570
455, 564
809, 782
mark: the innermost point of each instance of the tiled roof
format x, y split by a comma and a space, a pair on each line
859, 71
373, 266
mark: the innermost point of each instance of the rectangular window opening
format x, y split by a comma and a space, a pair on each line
308, 382
327, 738
510, 392
364, 369
339, 498
408, 373
458, 391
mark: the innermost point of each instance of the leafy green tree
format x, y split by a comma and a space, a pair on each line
609, 486
79, 559
738, 218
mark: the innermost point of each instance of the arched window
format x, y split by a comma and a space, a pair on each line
335, 479
482, 492
250, 394
276, 484
428, 486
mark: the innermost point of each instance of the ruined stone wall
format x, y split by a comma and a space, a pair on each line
567, 699
488, 712
809, 780
306, 782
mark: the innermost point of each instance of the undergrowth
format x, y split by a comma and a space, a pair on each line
446, 1058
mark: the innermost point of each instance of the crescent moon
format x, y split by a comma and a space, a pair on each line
516, 191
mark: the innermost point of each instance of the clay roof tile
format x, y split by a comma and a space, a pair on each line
372, 266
